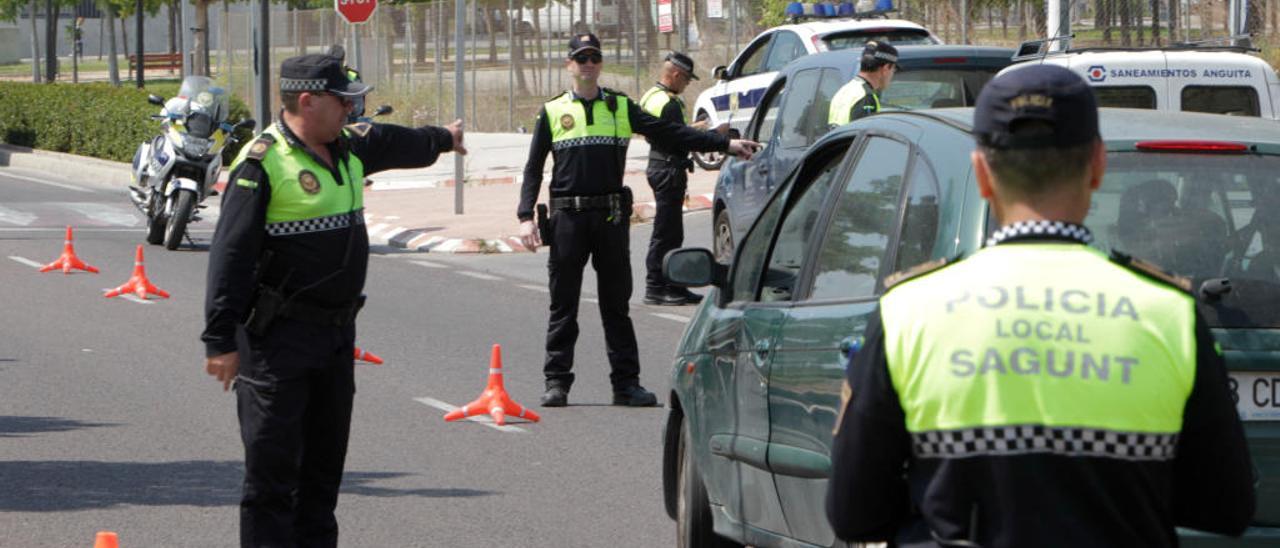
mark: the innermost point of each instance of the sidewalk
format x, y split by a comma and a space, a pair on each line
414, 208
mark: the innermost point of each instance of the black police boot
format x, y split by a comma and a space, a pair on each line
663, 297
689, 296
555, 396
635, 396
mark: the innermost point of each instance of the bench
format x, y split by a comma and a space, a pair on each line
171, 61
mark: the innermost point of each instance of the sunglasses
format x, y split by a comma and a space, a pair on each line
582, 58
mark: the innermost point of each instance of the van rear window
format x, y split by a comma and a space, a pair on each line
1233, 100
1126, 96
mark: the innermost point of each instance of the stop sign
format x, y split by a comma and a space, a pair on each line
355, 11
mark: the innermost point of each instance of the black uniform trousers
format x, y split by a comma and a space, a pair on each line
669, 182
577, 236
294, 395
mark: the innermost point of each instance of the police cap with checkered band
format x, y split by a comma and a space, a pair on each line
319, 73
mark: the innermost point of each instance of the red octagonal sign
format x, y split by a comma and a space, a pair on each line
355, 11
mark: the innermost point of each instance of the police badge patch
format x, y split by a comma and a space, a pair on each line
566, 121
307, 180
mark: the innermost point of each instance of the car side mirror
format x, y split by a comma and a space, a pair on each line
694, 267
720, 73
155, 100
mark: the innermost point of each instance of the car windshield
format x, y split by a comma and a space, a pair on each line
857, 38
936, 88
1197, 215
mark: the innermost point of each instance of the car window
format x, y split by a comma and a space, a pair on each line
749, 262
859, 38
920, 220
848, 264
800, 222
1126, 96
753, 60
766, 115
936, 88
793, 121
1198, 216
786, 46
1233, 100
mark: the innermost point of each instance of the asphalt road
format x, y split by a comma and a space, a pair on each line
108, 421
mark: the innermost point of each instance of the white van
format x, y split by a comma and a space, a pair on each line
1214, 79
601, 18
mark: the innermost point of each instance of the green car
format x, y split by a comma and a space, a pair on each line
755, 388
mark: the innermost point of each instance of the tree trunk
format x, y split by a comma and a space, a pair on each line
489, 25
1255, 22
1124, 23
419, 32
537, 48
173, 26
50, 40
517, 49
124, 39
1155, 22
1004, 20
32, 12
113, 64
650, 30
1140, 12
1173, 20
200, 39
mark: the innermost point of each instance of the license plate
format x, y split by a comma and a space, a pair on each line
1257, 395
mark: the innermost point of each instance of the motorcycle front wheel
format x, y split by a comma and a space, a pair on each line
184, 203
155, 221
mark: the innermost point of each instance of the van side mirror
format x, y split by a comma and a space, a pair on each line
694, 267
719, 73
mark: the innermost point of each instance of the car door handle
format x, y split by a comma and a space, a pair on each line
849, 346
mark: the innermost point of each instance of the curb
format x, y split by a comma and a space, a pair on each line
399, 237
66, 165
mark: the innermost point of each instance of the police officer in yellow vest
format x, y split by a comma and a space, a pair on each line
587, 130
668, 178
286, 269
1039, 392
861, 95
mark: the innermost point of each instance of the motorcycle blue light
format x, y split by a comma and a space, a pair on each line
162, 156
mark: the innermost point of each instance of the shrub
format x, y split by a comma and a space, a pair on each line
93, 119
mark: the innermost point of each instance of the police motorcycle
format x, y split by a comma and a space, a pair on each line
176, 170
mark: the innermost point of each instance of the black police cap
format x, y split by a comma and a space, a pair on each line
682, 62
1050, 94
583, 42
877, 52
319, 72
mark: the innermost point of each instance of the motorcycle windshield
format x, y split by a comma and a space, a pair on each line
203, 103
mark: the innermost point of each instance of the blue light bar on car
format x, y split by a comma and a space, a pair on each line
825, 9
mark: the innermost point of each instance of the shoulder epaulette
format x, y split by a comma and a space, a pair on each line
1150, 270
917, 271
258, 149
360, 129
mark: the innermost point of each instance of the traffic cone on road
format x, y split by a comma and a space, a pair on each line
106, 539
367, 356
494, 400
68, 260
138, 284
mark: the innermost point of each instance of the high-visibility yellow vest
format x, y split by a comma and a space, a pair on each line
656, 99
305, 197
568, 121
841, 111
1040, 347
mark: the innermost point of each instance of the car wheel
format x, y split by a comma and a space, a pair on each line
693, 511
710, 161
722, 238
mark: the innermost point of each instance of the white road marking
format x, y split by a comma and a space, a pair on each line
429, 264
674, 317
26, 261
591, 300
540, 288
44, 182
15, 217
81, 230
481, 419
104, 213
479, 275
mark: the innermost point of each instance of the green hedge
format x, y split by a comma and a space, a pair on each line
92, 119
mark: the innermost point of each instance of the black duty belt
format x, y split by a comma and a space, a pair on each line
583, 203
323, 315
665, 157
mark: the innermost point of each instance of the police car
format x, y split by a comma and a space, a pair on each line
742, 83
1190, 77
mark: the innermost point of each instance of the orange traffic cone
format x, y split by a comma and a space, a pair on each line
494, 400
138, 284
68, 259
367, 356
106, 539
